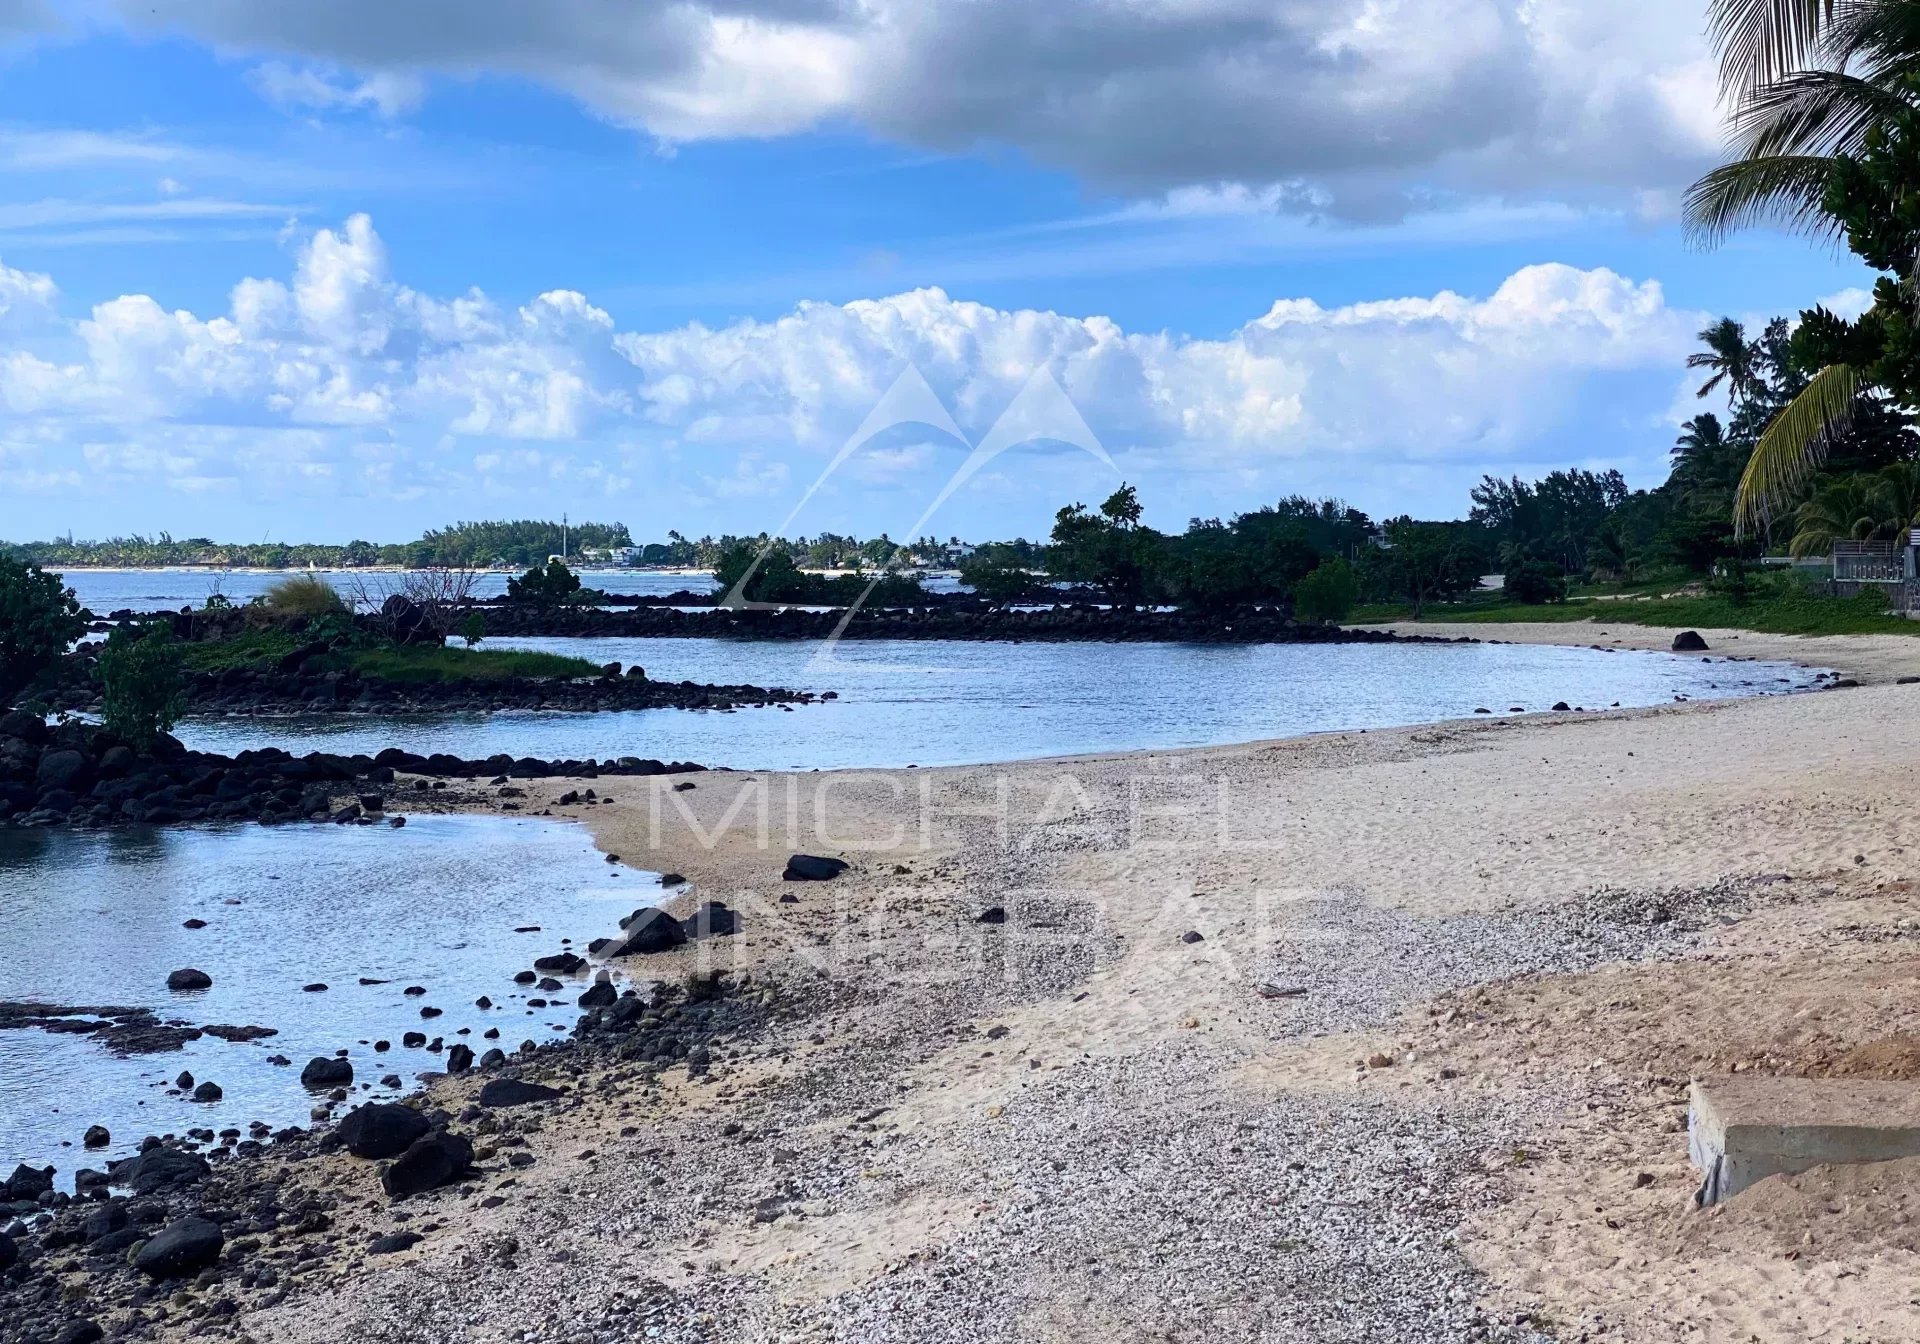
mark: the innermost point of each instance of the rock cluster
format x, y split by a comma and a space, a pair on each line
935, 621
246, 691
79, 775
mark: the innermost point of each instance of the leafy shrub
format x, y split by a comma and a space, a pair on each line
549, 585
304, 595
1536, 582
1327, 594
39, 618
996, 578
473, 629
140, 676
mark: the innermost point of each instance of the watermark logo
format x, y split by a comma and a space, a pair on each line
1041, 412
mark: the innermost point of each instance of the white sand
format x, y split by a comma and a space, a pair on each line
1155, 1149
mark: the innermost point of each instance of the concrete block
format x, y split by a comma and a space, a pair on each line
1746, 1128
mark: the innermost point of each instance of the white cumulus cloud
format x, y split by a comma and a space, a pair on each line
340, 377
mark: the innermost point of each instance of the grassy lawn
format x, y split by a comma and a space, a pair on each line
429, 663
1791, 614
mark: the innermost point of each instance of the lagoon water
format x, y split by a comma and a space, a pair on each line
907, 702
105, 590
94, 918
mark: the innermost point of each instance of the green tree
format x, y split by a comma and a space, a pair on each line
140, 679
548, 585
1536, 581
39, 619
473, 629
998, 576
1731, 358
1422, 562
1106, 548
1327, 594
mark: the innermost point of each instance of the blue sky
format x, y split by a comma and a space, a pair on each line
267, 269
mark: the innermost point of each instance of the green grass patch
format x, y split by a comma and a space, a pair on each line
253, 650
439, 664
1786, 614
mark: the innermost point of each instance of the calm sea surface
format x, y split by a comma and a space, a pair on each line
105, 590
911, 702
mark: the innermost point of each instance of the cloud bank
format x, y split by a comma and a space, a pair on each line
340, 381
1361, 107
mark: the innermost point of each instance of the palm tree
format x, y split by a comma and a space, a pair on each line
1733, 359
1810, 81
1846, 510
1880, 507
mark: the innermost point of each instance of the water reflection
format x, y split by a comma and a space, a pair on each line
98, 919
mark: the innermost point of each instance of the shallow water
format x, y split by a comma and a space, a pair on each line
105, 590
96, 918
907, 702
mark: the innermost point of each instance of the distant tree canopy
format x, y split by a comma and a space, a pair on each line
771, 575
459, 545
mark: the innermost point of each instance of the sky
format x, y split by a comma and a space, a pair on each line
275, 270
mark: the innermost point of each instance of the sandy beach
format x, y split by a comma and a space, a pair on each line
1369, 1036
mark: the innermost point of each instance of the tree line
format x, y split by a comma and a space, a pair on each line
477, 545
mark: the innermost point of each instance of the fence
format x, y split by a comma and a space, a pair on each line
1885, 565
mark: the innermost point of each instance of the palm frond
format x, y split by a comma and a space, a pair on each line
1761, 40
1793, 447
1877, 39
1786, 189
1813, 112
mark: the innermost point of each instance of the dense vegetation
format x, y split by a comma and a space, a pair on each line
460, 545
39, 618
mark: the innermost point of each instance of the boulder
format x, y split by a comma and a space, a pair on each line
158, 1169
565, 963
503, 1092
712, 919
9, 1252
812, 868
381, 1130
599, 995
185, 1246
648, 930
459, 1057
29, 728
1689, 641
428, 1163
322, 1071
188, 978
68, 770
27, 1183
393, 1242
97, 1136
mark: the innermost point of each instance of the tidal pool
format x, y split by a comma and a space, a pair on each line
97, 918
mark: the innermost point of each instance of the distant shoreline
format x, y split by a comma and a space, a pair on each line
352, 569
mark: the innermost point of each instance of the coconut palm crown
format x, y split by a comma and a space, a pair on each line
1816, 86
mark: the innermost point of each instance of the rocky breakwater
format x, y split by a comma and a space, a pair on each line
78, 775
1058, 623
292, 689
